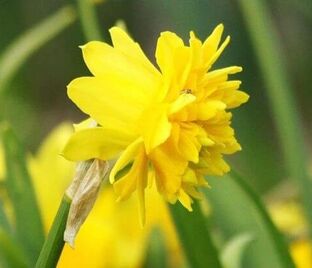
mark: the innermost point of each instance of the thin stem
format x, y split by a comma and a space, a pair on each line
89, 22
285, 114
53, 246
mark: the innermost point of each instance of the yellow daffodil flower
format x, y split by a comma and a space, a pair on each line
110, 226
169, 125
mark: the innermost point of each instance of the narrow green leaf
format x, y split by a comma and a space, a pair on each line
10, 252
195, 238
285, 113
156, 250
4, 222
53, 246
28, 225
89, 21
25, 45
237, 209
233, 251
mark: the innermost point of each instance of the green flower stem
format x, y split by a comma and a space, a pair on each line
53, 246
195, 238
286, 116
88, 18
24, 46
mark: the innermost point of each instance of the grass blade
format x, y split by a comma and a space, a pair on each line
233, 251
4, 221
89, 21
194, 235
28, 225
156, 250
238, 209
286, 116
24, 46
10, 252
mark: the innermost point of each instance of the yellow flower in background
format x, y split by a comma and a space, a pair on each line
110, 227
171, 126
289, 218
301, 252
50, 173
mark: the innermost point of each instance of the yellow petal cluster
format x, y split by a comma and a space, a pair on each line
169, 125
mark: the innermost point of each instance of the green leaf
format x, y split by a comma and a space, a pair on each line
195, 238
156, 250
28, 225
89, 20
280, 93
238, 209
25, 45
232, 253
10, 252
4, 221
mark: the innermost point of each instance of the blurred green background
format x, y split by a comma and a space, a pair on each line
35, 100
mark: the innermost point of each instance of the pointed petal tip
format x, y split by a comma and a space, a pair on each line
111, 178
236, 69
192, 35
227, 40
115, 28
220, 27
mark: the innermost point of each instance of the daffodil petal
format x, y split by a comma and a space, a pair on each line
125, 158
104, 60
219, 75
196, 45
127, 46
108, 101
87, 123
185, 200
182, 101
212, 42
167, 43
154, 126
126, 185
229, 94
169, 167
189, 146
96, 142
219, 52
174, 60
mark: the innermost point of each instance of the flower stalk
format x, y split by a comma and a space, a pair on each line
53, 246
